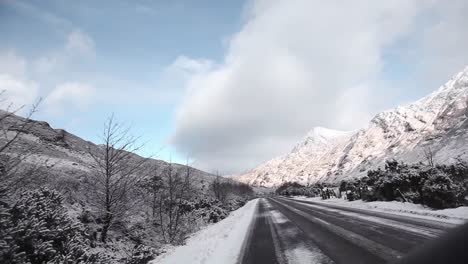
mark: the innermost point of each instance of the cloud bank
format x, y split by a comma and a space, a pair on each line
17, 89
302, 63
20, 77
70, 95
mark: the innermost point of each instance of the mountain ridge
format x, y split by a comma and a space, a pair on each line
436, 122
64, 154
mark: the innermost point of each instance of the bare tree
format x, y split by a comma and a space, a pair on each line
429, 155
151, 187
116, 172
220, 190
175, 194
309, 180
12, 175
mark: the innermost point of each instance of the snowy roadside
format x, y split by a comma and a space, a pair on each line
453, 215
218, 243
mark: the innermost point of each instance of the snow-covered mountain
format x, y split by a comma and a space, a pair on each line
437, 123
63, 156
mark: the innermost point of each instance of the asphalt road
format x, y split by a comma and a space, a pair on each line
290, 231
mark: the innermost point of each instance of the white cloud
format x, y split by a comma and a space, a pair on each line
12, 64
79, 46
170, 85
69, 96
444, 44
186, 65
47, 64
16, 92
20, 81
294, 65
17, 89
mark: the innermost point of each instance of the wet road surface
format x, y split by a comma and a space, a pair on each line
292, 231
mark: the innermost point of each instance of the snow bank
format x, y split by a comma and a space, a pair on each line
219, 243
452, 215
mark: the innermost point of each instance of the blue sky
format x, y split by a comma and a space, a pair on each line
229, 84
134, 42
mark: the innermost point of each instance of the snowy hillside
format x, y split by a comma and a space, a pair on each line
437, 122
60, 154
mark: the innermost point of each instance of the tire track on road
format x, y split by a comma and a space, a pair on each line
290, 231
341, 245
261, 244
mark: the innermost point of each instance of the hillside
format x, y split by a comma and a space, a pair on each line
436, 123
60, 154
118, 206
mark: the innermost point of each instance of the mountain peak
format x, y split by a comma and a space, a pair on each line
438, 121
320, 136
323, 135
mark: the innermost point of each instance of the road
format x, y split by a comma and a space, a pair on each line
291, 231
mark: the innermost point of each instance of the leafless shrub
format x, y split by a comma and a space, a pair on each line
219, 189
14, 173
116, 173
150, 186
173, 203
429, 155
223, 189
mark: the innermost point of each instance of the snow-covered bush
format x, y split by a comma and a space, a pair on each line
216, 214
224, 190
140, 254
209, 209
36, 229
439, 191
291, 188
294, 188
353, 189
434, 186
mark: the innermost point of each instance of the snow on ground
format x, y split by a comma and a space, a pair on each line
452, 215
219, 243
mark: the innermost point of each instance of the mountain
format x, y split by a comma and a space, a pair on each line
436, 124
64, 158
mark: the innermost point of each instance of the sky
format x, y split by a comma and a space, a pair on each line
226, 84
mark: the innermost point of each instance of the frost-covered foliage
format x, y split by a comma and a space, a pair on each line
208, 209
140, 254
224, 190
440, 186
291, 188
357, 189
196, 211
212, 210
98, 208
36, 229
294, 188
440, 191
178, 208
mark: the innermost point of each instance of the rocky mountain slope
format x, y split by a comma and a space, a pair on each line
65, 157
436, 124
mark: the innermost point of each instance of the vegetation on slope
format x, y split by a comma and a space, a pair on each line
121, 210
436, 186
